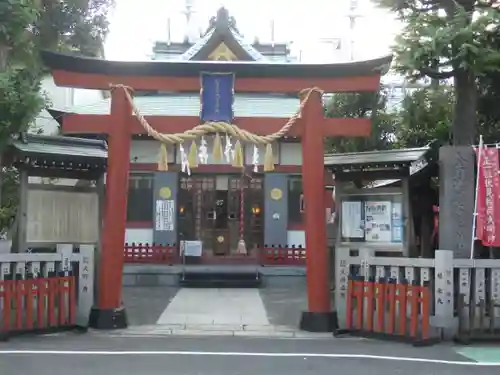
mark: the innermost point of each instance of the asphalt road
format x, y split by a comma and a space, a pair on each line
98, 355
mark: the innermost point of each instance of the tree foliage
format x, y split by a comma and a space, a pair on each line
449, 39
26, 28
360, 105
425, 115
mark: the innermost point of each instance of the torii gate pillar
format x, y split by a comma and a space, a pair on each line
319, 317
109, 312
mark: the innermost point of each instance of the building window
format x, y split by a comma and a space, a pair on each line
140, 197
295, 200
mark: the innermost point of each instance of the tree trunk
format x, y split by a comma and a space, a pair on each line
465, 116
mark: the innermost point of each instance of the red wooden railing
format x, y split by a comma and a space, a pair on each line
37, 304
282, 255
389, 310
151, 253
169, 254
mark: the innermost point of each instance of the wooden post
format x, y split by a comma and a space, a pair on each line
319, 317
109, 312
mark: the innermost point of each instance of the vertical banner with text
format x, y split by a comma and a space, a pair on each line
217, 96
488, 197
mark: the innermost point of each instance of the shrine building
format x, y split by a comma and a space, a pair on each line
216, 202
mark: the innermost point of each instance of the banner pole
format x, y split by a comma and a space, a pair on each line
474, 216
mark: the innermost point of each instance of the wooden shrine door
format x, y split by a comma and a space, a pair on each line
187, 210
213, 216
253, 211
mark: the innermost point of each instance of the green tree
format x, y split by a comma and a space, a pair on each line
26, 28
444, 39
360, 105
489, 98
425, 115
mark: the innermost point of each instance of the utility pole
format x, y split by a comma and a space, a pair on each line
353, 15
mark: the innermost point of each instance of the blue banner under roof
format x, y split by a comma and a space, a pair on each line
217, 97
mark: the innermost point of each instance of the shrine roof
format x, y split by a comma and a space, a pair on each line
222, 30
59, 147
242, 69
386, 158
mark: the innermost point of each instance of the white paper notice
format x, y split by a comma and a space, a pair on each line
165, 210
352, 226
378, 222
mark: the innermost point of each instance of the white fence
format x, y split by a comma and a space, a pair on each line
22, 265
478, 279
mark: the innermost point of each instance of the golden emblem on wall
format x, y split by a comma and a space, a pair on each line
276, 194
220, 239
222, 52
165, 193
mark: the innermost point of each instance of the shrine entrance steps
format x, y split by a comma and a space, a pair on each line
221, 277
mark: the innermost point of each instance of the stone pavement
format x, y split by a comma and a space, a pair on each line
215, 312
222, 330
215, 306
144, 305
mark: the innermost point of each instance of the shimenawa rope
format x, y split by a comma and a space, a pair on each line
218, 127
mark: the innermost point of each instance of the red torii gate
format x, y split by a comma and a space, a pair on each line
120, 125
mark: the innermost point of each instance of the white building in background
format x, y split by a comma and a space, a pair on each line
61, 98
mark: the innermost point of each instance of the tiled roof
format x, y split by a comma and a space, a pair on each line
34, 144
256, 55
195, 48
403, 156
189, 105
223, 29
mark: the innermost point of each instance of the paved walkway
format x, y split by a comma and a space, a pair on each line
215, 312
215, 306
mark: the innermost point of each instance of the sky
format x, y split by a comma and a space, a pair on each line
136, 25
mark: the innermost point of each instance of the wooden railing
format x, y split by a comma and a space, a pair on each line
168, 254
282, 255
389, 310
461, 290
46, 292
151, 253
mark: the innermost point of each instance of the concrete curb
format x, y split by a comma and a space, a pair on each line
197, 330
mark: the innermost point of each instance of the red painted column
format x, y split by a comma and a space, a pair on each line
113, 230
318, 290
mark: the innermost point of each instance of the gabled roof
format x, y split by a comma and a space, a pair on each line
222, 29
60, 151
400, 157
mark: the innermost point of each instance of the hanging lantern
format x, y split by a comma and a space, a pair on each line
255, 159
203, 154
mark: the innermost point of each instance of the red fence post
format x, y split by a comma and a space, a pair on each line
370, 299
349, 304
28, 303
42, 289
391, 300
414, 292
6, 298
401, 294
359, 286
380, 298
425, 311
